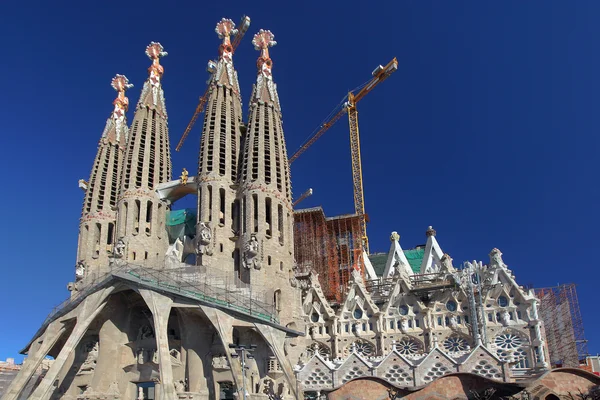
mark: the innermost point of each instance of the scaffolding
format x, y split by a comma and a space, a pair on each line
331, 247
559, 310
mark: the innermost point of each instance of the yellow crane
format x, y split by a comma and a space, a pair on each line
380, 74
241, 28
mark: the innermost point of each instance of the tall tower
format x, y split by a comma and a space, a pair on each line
266, 241
141, 223
218, 159
98, 217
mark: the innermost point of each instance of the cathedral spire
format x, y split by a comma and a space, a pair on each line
218, 157
152, 93
98, 217
265, 90
142, 237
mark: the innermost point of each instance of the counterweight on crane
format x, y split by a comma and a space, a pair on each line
241, 28
380, 74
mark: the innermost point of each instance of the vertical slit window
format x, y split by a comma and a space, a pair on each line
255, 211
244, 214
268, 216
210, 203
97, 234
136, 217
222, 206
280, 222
233, 138
235, 216
223, 134
148, 217
109, 236
267, 145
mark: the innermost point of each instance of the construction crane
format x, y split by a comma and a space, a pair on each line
241, 28
380, 74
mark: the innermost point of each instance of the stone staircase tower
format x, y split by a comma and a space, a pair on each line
98, 218
266, 238
218, 159
142, 237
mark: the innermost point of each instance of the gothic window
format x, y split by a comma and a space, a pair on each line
502, 301
314, 317
451, 305
403, 309
358, 313
362, 347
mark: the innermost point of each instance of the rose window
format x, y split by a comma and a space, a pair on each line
508, 341
365, 349
407, 346
318, 348
455, 343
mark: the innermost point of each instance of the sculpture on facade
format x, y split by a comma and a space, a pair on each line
496, 259
251, 252
92, 356
79, 270
204, 239
120, 248
146, 332
184, 176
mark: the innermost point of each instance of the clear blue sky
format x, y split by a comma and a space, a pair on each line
489, 130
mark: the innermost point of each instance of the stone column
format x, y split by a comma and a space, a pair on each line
539, 340
195, 339
86, 312
160, 306
36, 354
275, 338
223, 323
112, 336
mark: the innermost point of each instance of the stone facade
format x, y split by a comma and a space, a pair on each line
242, 320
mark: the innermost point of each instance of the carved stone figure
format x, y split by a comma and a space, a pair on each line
120, 248
447, 263
79, 270
220, 363
453, 322
505, 318
403, 325
251, 254
496, 259
140, 355
90, 362
140, 394
179, 386
204, 239
146, 332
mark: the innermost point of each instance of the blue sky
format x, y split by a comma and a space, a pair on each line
488, 130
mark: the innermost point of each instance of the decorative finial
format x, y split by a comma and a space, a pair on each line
120, 83
184, 176
430, 231
155, 52
496, 258
225, 29
262, 41
394, 237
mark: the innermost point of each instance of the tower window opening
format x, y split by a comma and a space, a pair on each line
235, 216
244, 214
152, 155
255, 211
267, 145
133, 255
145, 255
255, 149
200, 204
109, 236
210, 203
148, 217
221, 247
268, 216
222, 206
124, 219
161, 221
136, 214
223, 136
97, 234
269, 260
281, 265
280, 222
277, 300
277, 153
233, 139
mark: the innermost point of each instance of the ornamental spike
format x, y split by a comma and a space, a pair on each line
262, 41
120, 83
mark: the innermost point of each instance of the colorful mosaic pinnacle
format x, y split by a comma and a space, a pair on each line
120, 83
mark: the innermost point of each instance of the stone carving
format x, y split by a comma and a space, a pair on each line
146, 332
140, 394
113, 389
251, 254
453, 323
505, 318
154, 356
79, 270
403, 325
394, 237
140, 355
220, 363
179, 386
204, 239
175, 354
120, 248
496, 259
446, 263
92, 356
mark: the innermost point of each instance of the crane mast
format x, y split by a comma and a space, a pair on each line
380, 74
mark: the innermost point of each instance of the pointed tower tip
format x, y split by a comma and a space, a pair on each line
430, 231
262, 41
120, 83
155, 51
225, 29
394, 237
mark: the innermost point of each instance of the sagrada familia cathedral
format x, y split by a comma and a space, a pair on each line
211, 304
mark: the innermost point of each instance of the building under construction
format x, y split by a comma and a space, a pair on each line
559, 309
331, 247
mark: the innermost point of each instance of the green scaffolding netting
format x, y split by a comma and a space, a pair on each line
181, 223
415, 258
